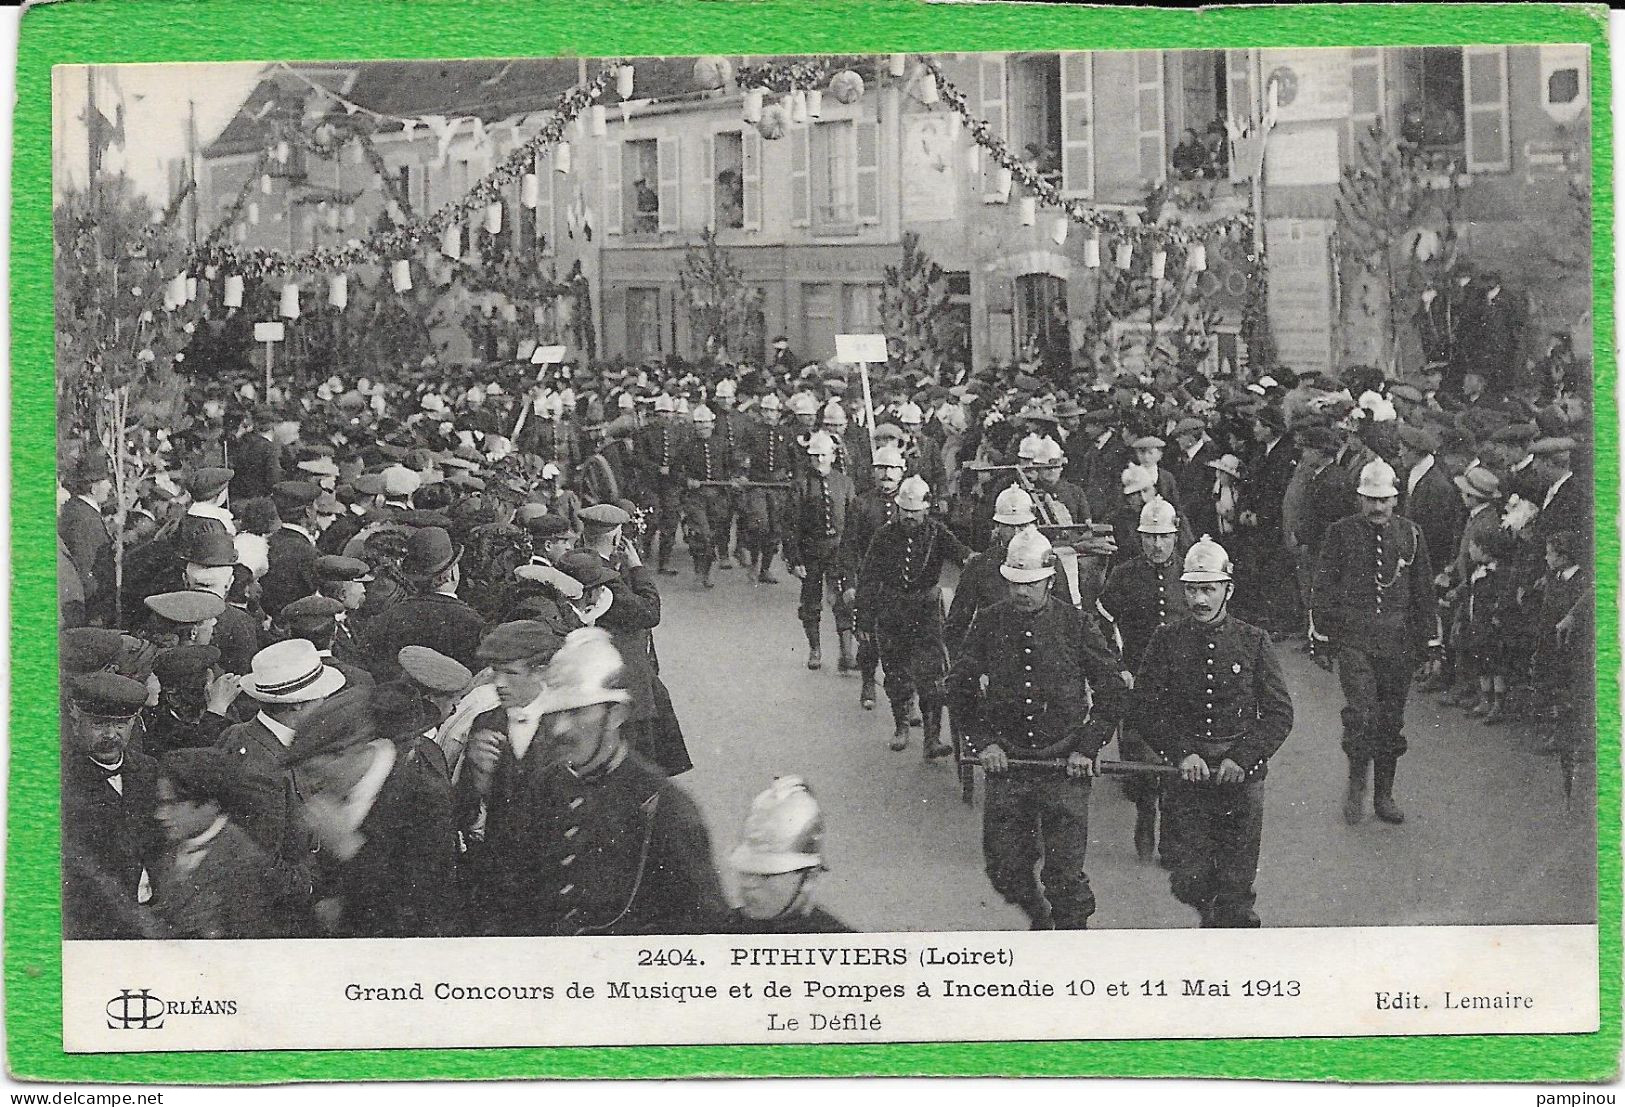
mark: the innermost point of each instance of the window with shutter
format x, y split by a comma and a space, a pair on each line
725, 172
670, 172
1484, 83
1367, 100
1240, 101
990, 85
1149, 115
750, 157
1077, 124
612, 188
866, 138
800, 180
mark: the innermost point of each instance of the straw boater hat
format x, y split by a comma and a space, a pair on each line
290, 672
1229, 463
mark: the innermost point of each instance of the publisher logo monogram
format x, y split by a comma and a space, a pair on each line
140, 1010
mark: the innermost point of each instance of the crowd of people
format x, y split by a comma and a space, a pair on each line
378, 657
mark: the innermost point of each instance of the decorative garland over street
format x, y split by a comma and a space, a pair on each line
401, 241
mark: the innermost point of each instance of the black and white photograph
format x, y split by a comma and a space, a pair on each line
910, 493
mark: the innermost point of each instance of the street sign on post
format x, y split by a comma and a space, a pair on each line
862, 349
270, 334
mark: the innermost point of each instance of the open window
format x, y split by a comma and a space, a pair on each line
728, 181
1035, 117
640, 186
642, 323
1201, 147
1454, 110
1041, 319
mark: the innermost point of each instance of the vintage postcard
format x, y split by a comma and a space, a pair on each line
1083, 528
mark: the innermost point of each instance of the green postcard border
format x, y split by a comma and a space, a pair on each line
112, 31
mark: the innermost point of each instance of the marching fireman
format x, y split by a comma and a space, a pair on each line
1140, 597
899, 606
657, 448
706, 469
1021, 688
778, 862
1374, 608
770, 450
1210, 698
820, 505
871, 511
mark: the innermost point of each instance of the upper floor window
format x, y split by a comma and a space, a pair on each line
1035, 88
640, 194
728, 181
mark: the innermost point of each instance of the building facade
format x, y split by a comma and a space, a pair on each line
815, 215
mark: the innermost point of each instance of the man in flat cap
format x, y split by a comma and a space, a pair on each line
111, 843
210, 564
181, 618
344, 579
208, 488
595, 839
434, 616
377, 799
193, 699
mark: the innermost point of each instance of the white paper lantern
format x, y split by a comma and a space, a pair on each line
1196, 257
290, 301
1029, 210
281, 153
798, 106
1091, 252
561, 157
538, 315
233, 297
623, 82
1159, 264
1005, 181
1125, 254
1059, 229
493, 217
451, 240
265, 183
191, 289
928, 88
338, 291
752, 108
973, 159
349, 215
334, 218
899, 64
400, 275
210, 272
530, 190
815, 103
253, 212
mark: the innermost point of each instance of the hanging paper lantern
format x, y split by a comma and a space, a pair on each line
210, 272
798, 106
1159, 264
973, 160
1058, 230
600, 121
928, 88
712, 72
493, 218
530, 190
191, 289
253, 212
290, 301
349, 215
623, 82
846, 86
334, 218
751, 110
899, 64
1006, 180
265, 183
538, 315
400, 275
561, 158
1091, 252
1125, 254
815, 103
451, 240
1029, 210
775, 121
338, 291
1196, 257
